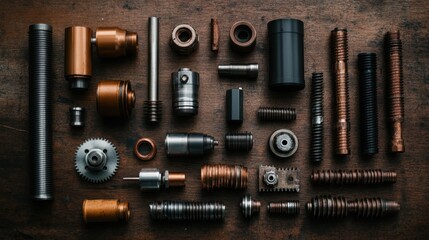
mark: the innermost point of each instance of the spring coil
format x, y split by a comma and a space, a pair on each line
40, 109
239, 141
367, 63
340, 58
344, 177
184, 210
215, 176
276, 114
316, 152
285, 208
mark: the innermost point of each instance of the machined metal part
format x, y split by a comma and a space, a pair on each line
105, 210
40, 71
283, 143
234, 106
152, 179
77, 117
115, 98
249, 206
316, 150
240, 141
249, 71
153, 106
152, 149
359, 177
338, 207
215, 176
187, 211
242, 36
289, 208
272, 179
112, 42
276, 114
184, 39
185, 84
96, 160
215, 35
189, 144
395, 80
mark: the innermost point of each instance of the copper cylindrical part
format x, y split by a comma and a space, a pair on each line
77, 56
105, 210
115, 42
216, 176
176, 179
242, 36
215, 35
342, 108
115, 98
396, 90
343, 177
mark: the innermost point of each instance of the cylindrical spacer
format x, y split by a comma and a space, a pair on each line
239, 141
286, 54
77, 117
189, 144
234, 106
242, 36
105, 210
249, 71
184, 39
185, 84
115, 42
115, 98
77, 57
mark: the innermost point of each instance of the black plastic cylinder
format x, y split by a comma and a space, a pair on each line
234, 106
286, 55
40, 109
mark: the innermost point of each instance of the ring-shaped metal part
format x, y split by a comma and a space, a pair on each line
243, 36
152, 151
187, 44
283, 143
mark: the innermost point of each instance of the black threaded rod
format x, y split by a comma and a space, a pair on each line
316, 152
40, 108
367, 63
239, 141
276, 114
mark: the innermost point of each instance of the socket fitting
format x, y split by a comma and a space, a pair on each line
242, 36
152, 179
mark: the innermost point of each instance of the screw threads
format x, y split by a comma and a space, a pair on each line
249, 206
276, 114
344, 177
316, 152
328, 207
286, 207
396, 90
40, 109
187, 210
340, 58
367, 63
217, 176
152, 111
239, 141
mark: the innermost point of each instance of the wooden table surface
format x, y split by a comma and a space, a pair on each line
367, 22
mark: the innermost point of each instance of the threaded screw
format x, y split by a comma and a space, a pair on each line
276, 114
239, 141
284, 207
249, 206
215, 176
187, 210
316, 152
344, 177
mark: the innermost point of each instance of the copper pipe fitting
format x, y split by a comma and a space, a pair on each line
340, 58
344, 177
395, 79
115, 98
105, 210
242, 36
114, 42
215, 176
152, 149
77, 54
215, 35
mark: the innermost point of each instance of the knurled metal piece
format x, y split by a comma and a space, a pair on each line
272, 179
96, 160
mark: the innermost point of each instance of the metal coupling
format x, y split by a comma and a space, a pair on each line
338, 207
115, 98
276, 114
40, 72
316, 151
112, 42
189, 144
215, 176
77, 117
249, 206
288, 208
185, 84
105, 210
283, 143
239, 141
357, 176
184, 39
242, 36
395, 81
152, 179
187, 211
249, 71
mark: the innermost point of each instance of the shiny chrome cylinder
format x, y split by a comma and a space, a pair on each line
238, 70
189, 144
185, 84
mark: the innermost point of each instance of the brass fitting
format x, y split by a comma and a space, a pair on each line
105, 210
114, 42
115, 98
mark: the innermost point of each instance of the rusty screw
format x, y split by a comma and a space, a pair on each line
396, 91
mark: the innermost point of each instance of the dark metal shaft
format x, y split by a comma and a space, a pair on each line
316, 152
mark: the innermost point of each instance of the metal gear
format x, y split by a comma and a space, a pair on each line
96, 160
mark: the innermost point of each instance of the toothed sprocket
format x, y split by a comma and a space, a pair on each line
96, 160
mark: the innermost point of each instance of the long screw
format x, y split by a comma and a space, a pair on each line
285, 208
316, 152
276, 114
393, 51
340, 58
344, 177
183, 210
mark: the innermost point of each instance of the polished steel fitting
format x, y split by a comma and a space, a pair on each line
283, 143
249, 206
242, 36
249, 71
184, 39
77, 117
105, 210
185, 84
115, 98
152, 179
189, 144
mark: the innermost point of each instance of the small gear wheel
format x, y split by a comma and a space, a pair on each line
96, 160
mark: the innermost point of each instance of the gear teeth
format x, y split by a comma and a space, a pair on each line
283, 183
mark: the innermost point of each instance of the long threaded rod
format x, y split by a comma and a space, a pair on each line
182, 210
276, 114
344, 177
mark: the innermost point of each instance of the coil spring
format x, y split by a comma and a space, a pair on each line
286, 208
183, 210
316, 152
276, 114
216, 176
340, 177
239, 141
